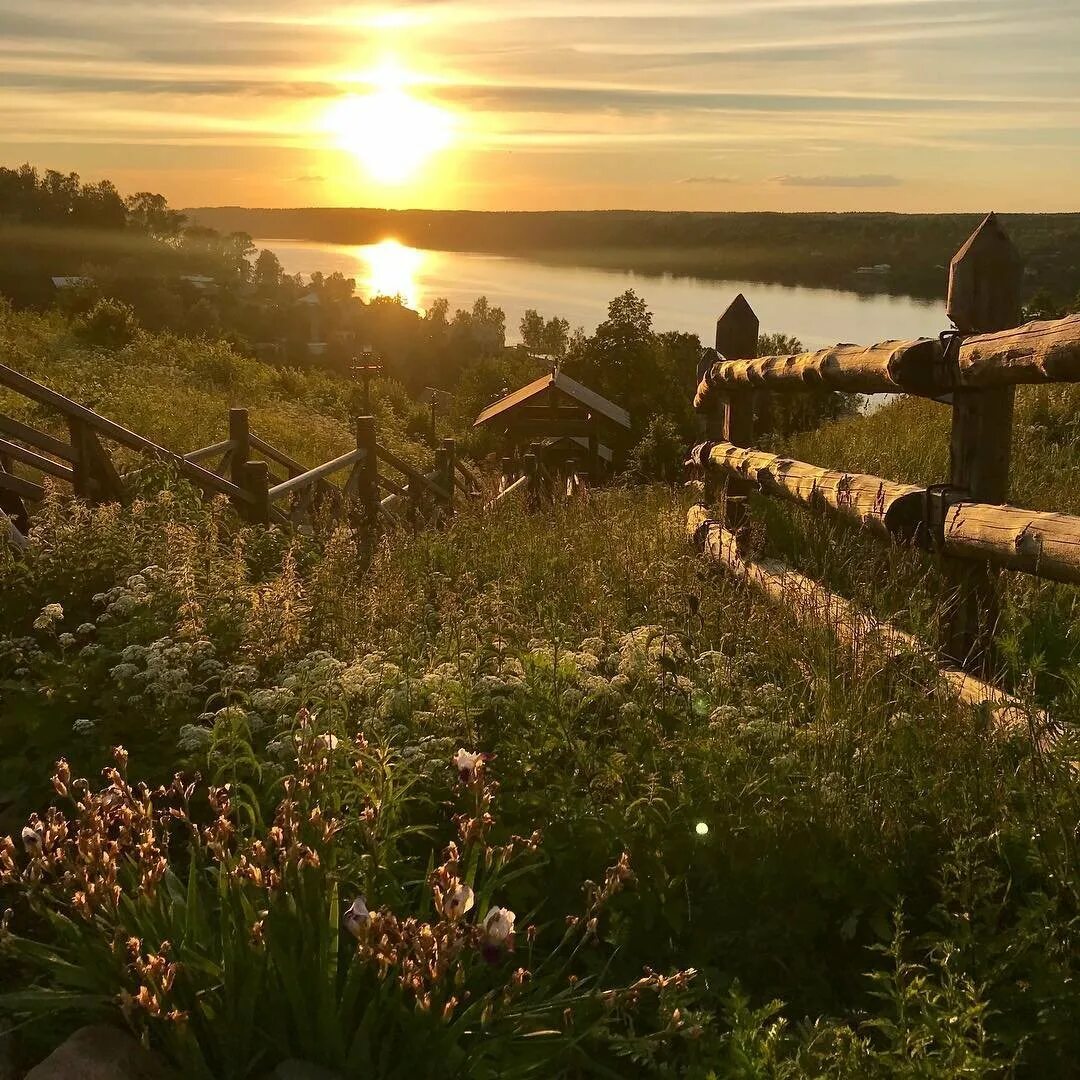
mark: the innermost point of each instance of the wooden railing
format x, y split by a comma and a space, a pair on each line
253, 484
974, 370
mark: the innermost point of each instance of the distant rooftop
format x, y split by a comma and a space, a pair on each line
556, 380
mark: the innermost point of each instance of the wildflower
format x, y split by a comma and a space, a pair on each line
498, 929
31, 839
467, 765
357, 918
459, 901
85, 628
328, 740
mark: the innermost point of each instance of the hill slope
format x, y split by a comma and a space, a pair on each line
793, 823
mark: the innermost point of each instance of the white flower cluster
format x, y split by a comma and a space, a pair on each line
167, 671
122, 600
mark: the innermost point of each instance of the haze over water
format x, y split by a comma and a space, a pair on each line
818, 317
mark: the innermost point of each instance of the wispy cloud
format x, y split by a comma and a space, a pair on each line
841, 102
864, 180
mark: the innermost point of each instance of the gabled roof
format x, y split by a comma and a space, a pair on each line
590, 399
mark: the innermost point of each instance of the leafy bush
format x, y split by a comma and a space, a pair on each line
109, 324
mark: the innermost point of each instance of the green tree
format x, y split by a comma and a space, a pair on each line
150, 213
532, 330
556, 337
267, 270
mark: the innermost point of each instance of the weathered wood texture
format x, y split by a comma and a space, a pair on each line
295, 483
1038, 352
1043, 544
985, 278
889, 367
15, 429
37, 461
810, 603
881, 505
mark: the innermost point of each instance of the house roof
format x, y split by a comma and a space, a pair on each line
563, 383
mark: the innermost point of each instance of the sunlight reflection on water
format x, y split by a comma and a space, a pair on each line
818, 317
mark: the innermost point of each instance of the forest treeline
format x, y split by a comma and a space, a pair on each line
791, 249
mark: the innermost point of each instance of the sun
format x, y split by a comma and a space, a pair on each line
391, 132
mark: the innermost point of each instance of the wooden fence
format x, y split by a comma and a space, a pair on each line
266, 485
974, 370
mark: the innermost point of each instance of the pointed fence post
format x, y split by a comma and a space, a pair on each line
366, 472
736, 339
985, 279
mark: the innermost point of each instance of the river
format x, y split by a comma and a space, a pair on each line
818, 317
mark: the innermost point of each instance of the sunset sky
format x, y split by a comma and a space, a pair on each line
532, 104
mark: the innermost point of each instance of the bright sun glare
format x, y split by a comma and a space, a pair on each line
392, 270
391, 132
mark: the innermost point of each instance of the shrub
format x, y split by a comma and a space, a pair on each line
110, 324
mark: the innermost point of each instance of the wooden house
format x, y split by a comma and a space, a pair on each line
561, 421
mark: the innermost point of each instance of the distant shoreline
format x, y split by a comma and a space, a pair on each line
810, 249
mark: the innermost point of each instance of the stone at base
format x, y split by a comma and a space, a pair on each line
99, 1052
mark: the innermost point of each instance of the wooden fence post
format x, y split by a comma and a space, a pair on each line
449, 451
530, 468
366, 472
240, 437
736, 339
985, 278
256, 480
94, 476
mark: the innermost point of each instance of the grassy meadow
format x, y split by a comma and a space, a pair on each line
698, 841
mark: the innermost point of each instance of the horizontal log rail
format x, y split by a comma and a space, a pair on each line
813, 604
518, 485
25, 489
1038, 352
210, 451
400, 490
194, 456
406, 492
201, 477
36, 461
48, 444
881, 505
412, 474
1046, 545
1043, 544
305, 479
469, 475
